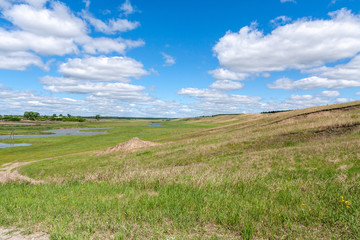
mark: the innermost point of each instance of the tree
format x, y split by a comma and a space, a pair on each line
31, 115
97, 117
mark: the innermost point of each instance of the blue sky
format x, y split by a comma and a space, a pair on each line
177, 58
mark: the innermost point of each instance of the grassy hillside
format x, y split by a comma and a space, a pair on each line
283, 175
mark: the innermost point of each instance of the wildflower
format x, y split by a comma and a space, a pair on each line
347, 206
83, 189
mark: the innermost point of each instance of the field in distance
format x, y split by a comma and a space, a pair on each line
284, 175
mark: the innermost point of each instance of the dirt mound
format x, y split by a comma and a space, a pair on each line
132, 144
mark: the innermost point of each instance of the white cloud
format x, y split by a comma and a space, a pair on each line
127, 8
15, 41
212, 101
57, 21
120, 69
215, 96
87, 4
126, 102
329, 94
112, 26
4, 4
19, 60
358, 93
283, 1
225, 74
298, 45
281, 20
348, 71
295, 102
169, 60
343, 100
36, 3
312, 83
121, 91
340, 76
52, 29
107, 45
226, 85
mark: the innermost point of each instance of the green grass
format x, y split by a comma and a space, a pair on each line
256, 176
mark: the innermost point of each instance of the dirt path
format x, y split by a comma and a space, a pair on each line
16, 234
8, 173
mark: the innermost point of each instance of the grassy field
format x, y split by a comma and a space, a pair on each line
287, 175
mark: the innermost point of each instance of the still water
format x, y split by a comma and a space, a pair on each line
52, 133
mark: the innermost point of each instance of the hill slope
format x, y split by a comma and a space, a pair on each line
289, 175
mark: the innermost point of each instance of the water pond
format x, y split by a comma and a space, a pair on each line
155, 125
4, 145
59, 133
52, 133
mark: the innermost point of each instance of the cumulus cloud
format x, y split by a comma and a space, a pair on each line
14, 41
112, 26
4, 4
50, 28
312, 83
212, 95
343, 100
105, 45
105, 77
348, 71
57, 21
226, 85
295, 102
19, 61
213, 101
329, 94
87, 4
301, 44
340, 76
226, 74
169, 60
281, 20
36, 3
133, 103
127, 8
115, 90
120, 69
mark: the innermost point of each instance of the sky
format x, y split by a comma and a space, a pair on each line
177, 58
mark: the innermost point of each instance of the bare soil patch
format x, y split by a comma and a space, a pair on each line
17, 234
131, 145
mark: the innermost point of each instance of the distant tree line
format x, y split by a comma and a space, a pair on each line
32, 116
269, 112
10, 118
